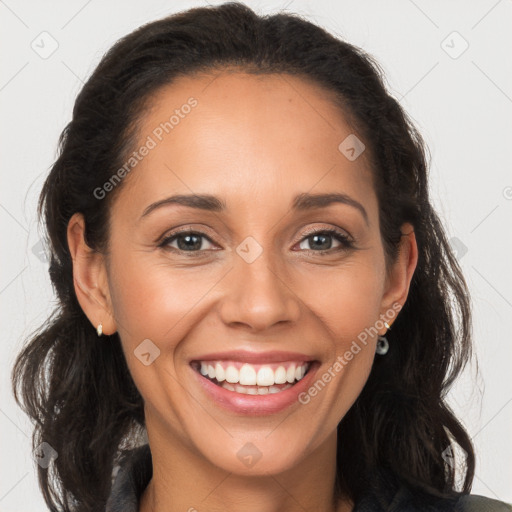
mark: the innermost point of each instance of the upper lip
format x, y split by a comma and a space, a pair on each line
275, 356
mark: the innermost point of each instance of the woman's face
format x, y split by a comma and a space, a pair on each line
253, 276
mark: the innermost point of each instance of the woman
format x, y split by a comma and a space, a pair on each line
250, 273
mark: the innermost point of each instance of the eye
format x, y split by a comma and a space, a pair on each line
187, 241
321, 241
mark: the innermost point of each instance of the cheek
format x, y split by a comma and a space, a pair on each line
347, 303
154, 300
346, 299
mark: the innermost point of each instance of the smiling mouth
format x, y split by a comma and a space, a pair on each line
252, 379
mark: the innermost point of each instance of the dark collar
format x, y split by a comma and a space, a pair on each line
136, 471
133, 476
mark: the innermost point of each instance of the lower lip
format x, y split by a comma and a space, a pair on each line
254, 405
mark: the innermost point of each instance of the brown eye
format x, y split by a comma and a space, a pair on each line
323, 241
189, 241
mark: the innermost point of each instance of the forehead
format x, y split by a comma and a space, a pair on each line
241, 136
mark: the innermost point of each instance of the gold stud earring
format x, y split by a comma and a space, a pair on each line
99, 330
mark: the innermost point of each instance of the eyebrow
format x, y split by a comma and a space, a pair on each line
310, 201
301, 202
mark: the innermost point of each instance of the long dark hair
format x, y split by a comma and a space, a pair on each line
80, 393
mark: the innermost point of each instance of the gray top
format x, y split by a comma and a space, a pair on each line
136, 470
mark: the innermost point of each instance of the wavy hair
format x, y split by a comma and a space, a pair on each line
80, 394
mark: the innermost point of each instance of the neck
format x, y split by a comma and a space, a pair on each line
184, 481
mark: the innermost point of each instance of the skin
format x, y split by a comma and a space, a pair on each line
255, 142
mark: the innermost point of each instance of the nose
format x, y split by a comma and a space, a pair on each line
258, 297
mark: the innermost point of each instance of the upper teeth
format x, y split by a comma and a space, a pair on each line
252, 375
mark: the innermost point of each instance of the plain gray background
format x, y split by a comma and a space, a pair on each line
448, 63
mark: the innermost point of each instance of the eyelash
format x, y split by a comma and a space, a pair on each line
345, 241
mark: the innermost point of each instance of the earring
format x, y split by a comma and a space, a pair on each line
382, 346
99, 330
387, 325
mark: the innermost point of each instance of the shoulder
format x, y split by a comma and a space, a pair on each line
386, 493
476, 503
405, 499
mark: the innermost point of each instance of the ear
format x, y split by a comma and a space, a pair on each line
90, 277
400, 276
